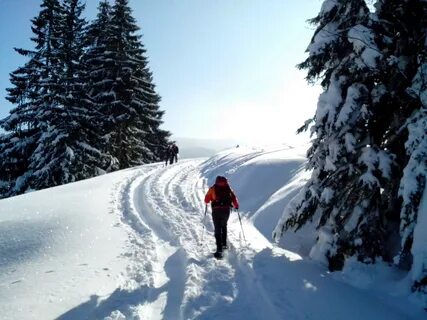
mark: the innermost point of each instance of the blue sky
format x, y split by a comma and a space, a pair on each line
224, 68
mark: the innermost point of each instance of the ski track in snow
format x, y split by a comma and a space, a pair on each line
173, 274
144, 250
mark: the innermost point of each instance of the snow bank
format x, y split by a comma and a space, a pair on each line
132, 245
59, 247
255, 173
265, 180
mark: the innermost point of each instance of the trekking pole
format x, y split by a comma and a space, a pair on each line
204, 220
241, 226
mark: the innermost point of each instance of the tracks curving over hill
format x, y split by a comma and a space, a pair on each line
180, 277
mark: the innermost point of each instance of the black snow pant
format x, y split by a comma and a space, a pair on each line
169, 159
220, 218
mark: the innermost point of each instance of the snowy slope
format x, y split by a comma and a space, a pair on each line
60, 246
131, 245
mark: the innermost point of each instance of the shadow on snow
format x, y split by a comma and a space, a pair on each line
98, 308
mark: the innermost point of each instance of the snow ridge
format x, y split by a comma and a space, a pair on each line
148, 224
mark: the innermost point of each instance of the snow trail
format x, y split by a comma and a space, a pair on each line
128, 245
166, 209
173, 275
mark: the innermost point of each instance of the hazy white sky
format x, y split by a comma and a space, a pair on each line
224, 68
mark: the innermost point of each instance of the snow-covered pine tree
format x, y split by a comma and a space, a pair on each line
98, 61
413, 187
123, 89
349, 167
404, 42
14, 150
51, 135
67, 151
33, 90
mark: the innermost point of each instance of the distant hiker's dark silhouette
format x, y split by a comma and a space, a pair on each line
222, 199
175, 151
168, 152
171, 154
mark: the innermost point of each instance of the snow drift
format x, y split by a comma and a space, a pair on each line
131, 245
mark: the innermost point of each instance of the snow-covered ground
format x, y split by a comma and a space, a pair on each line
131, 245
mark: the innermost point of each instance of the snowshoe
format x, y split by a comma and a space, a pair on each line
218, 255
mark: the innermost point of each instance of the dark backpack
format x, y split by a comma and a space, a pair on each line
222, 196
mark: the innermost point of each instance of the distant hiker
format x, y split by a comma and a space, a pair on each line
175, 151
222, 199
168, 154
171, 154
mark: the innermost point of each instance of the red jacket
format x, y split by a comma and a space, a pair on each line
210, 196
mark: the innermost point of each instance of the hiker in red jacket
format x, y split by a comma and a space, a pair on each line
222, 199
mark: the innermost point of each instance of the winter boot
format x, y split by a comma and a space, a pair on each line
218, 254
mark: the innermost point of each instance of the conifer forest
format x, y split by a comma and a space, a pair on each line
84, 102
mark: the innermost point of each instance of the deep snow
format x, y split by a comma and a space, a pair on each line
130, 245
